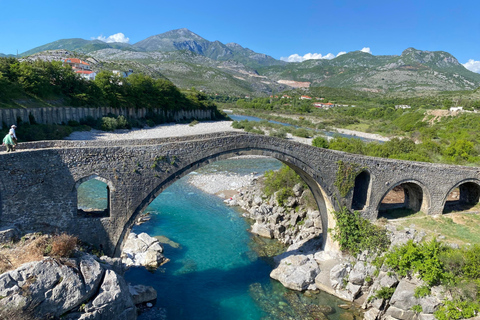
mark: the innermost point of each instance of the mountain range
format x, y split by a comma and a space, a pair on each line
189, 60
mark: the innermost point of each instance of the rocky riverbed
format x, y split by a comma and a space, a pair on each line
304, 267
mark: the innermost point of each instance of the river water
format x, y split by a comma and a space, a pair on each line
237, 117
214, 272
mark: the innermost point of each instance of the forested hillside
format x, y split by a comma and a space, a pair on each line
52, 83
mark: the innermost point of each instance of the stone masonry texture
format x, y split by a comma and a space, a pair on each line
38, 190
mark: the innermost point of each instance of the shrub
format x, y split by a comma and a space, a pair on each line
422, 258
422, 291
452, 310
320, 142
282, 181
109, 124
5, 264
63, 245
356, 234
278, 134
345, 177
417, 308
384, 293
302, 133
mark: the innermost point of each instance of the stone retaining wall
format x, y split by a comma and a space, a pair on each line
64, 114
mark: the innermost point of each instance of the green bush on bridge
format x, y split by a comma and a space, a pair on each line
355, 234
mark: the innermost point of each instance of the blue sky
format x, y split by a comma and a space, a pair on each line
283, 29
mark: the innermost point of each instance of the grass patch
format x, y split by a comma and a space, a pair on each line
460, 228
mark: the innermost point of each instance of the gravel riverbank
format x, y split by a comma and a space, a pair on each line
161, 131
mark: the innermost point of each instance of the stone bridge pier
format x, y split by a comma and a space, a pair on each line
38, 189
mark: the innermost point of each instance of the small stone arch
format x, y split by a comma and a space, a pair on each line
462, 196
411, 195
323, 197
360, 190
96, 213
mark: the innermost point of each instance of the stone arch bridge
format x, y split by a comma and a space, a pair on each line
38, 189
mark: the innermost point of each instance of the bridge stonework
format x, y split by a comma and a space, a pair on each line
38, 189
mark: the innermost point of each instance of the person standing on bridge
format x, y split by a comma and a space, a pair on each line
14, 135
9, 142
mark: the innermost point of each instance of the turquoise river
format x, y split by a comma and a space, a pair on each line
214, 271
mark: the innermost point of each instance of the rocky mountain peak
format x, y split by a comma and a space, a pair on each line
233, 45
182, 34
437, 58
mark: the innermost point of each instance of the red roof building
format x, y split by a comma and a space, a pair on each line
81, 67
305, 98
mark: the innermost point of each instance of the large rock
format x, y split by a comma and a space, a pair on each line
384, 279
403, 297
371, 314
397, 313
54, 288
143, 250
358, 274
113, 301
8, 234
262, 230
142, 294
296, 272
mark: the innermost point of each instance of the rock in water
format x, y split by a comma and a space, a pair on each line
296, 272
143, 250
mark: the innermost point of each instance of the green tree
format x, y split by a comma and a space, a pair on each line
320, 142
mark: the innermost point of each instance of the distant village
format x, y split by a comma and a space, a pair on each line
80, 67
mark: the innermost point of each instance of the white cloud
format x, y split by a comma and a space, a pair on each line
472, 65
367, 50
309, 56
118, 37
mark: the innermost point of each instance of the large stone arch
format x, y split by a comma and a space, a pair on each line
469, 193
321, 192
417, 196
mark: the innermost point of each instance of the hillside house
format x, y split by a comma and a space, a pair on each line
305, 98
323, 105
123, 74
81, 68
456, 109
402, 106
